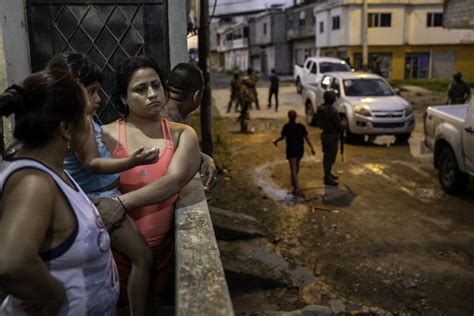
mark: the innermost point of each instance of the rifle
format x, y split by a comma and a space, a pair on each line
342, 145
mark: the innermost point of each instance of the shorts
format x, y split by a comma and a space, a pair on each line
294, 153
109, 194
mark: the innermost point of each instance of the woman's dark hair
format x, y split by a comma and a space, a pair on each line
44, 100
128, 67
79, 65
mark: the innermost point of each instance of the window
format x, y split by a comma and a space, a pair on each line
302, 20
321, 27
314, 19
314, 70
434, 20
366, 87
309, 64
228, 36
379, 63
332, 67
246, 32
336, 22
380, 19
290, 22
264, 28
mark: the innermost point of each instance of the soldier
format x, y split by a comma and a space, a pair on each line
458, 91
246, 98
253, 84
332, 127
274, 86
234, 92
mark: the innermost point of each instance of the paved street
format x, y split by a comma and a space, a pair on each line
388, 236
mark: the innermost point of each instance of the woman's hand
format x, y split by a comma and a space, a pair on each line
275, 142
142, 157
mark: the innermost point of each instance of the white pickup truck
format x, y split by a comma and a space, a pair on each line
449, 133
314, 68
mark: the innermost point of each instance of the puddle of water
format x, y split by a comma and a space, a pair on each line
270, 188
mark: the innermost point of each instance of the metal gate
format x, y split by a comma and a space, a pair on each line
105, 31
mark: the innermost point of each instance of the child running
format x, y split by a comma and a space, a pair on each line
92, 167
295, 134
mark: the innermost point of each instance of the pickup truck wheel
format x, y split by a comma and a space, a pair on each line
403, 138
310, 117
451, 178
347, 136
299, 87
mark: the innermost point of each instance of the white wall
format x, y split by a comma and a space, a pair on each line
336, 37
408, 25
418, 33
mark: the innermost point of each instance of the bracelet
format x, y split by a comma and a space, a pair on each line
121, 203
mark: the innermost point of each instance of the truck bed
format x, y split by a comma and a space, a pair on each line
453, 113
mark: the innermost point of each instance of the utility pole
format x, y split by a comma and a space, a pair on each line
203, 47
365, 48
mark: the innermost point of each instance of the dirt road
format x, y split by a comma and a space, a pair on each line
387, 237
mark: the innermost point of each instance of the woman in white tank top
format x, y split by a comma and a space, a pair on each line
55, 256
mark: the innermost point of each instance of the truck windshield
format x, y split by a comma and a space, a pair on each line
333, 67
366, 87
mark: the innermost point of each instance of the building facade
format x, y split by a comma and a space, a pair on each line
458, 14
268, 48
300, 33
406, 38
230, 46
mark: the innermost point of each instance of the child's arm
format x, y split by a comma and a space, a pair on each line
275, 141
89, 156
306, 138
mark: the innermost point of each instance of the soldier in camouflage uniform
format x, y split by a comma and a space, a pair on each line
253, 84
458, 91
235, 85
246, 98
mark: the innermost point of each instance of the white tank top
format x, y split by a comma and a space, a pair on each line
83, 263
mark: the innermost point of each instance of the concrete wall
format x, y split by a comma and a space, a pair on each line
177, 32
261, 38
302, 49
278, 27
459, 14
294, 31
419, 34
15, 40
408, 25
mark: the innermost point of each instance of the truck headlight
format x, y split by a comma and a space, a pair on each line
409, 110
362, 110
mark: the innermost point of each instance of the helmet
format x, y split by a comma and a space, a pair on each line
329, 97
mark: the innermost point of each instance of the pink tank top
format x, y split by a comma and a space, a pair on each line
154, 221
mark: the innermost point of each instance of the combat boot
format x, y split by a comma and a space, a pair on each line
330, 181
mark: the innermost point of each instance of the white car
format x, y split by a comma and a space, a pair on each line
367, 104
314, 68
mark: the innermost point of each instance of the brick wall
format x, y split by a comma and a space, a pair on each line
459, 14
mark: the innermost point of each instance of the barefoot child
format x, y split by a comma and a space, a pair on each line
295, 134
92, 167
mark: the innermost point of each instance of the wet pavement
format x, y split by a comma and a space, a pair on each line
388, 236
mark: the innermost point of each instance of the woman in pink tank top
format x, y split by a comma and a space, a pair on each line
150, 191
